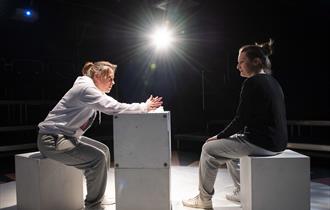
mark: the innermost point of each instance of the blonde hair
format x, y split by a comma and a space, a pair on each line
100, 67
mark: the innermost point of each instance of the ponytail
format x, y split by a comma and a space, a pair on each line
87, 69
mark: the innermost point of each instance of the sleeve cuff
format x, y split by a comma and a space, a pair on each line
220, 135
144, 107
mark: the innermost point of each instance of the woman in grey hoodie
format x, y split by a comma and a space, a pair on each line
61, 133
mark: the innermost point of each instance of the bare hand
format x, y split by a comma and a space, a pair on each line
154, 102
212, 138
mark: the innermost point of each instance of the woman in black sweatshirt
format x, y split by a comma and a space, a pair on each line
258, 128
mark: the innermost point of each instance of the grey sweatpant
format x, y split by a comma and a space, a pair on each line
86, 154
221, 151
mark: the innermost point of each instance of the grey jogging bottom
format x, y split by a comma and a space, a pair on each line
221, 151
86, 154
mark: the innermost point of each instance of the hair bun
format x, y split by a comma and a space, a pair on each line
86, 67
267, 47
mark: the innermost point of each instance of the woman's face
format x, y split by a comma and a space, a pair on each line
105, 82
245, 66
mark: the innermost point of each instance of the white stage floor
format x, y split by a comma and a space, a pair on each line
184, 181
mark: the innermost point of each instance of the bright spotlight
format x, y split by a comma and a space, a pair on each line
24, 14
162, 38
28, 13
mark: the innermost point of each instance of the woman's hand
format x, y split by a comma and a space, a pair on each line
154, 102
212, 138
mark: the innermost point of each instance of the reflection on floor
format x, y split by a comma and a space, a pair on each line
184, 183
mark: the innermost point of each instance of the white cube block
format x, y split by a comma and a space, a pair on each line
142, 153
142, 140
275, 182
142, 189
44, 184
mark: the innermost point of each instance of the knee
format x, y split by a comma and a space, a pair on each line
107, 151
206, 153
101, 157
108, 156
206, 149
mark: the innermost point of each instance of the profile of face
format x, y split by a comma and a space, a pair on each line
104, 82
246, 67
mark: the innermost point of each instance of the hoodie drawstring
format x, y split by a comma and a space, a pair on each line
99, 117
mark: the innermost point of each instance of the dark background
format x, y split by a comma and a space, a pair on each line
40, 59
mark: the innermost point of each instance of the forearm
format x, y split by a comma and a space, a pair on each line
234, 126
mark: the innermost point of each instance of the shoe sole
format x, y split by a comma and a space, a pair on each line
238, 201
199, 207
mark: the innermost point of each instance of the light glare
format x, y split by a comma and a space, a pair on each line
28, 13
162, 38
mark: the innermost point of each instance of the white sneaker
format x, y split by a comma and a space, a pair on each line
234, 196
197, 202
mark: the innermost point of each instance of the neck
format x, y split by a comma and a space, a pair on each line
254, 73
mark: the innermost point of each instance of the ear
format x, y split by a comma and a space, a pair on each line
96, 77
257, 62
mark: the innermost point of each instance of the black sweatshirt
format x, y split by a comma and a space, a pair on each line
260, 114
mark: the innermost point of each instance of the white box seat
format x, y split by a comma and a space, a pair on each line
275, 182
44, 184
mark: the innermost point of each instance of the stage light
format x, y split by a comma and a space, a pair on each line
28, 13
162, 38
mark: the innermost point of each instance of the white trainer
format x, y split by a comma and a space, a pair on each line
234, 196
197, 202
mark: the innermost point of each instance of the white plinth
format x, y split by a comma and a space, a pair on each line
142, 140
44, 184
142, 155
142, 189
275, 182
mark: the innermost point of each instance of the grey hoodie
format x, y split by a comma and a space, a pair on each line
76, 111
